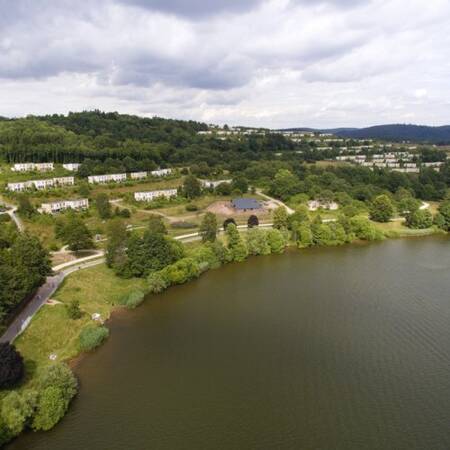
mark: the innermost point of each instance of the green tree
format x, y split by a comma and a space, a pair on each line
252, 221
103, 206
277, 241
75, 233
280, 218
257, 242
116, 234
156, 224
236, 245
50, 408
25, 208
305, 237
382, 209
240, 184
17, 408
191, 187
444, 213
12, 367
285, 184
208, 227
419, 219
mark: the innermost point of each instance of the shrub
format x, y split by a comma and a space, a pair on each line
364, 230
252, 221
277, 241
133, 299
73, 310
50, 408
182, 271
156, 283
91, 337
419, 219
191, 207
206, 258
257, 242
305, 237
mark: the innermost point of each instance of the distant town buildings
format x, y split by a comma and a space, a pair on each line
55, 207
110, 178
30, 167
152, 195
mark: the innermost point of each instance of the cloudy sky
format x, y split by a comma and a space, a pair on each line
274, 63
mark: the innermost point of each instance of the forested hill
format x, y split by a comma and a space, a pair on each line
101, 136
395, 132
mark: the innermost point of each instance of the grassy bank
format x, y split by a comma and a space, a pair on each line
52, 331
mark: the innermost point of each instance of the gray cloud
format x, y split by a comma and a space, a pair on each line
217, 62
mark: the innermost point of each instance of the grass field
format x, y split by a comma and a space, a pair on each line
52, 332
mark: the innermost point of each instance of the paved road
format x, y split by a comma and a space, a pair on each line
12, 213
274, 200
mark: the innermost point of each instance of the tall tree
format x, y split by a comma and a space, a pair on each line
191, 187
382, 209
103, 206
208, 227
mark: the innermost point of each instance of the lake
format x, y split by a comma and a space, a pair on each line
334, 348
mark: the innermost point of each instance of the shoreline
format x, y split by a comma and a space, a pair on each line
74, 362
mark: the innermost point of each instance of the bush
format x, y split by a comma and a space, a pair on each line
157, 283
382, 209
73, 310
91, 337
206, 258
133, 299
277, 241
364, 230
419, 219
11, 367
57, 386
191, 207
182, 271
258, 242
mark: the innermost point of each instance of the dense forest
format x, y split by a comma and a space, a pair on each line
24, 265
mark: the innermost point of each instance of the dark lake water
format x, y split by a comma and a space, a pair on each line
341, 348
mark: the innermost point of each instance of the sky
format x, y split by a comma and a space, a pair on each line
270, 63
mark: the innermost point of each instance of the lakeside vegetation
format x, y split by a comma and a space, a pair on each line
142, 256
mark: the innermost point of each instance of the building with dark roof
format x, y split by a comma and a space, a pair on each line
245, 204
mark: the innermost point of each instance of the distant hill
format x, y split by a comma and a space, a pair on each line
395, 132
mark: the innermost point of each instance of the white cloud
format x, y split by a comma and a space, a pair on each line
272, 63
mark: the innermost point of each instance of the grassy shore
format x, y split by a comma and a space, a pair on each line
52, 331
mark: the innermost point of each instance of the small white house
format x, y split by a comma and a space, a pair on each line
55, 207
314, 205
151, 195
23, 167
29, 167
212, 184
44, 167
43, 184
138, 175
160, 172
19, 187
64, 181
71, 167
114, 177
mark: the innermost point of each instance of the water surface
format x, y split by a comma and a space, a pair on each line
342, 348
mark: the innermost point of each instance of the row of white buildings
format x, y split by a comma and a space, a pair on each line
121, 177
62, 205
40, 184
43, 167
152, 195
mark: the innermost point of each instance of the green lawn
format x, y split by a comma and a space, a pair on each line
51, 331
